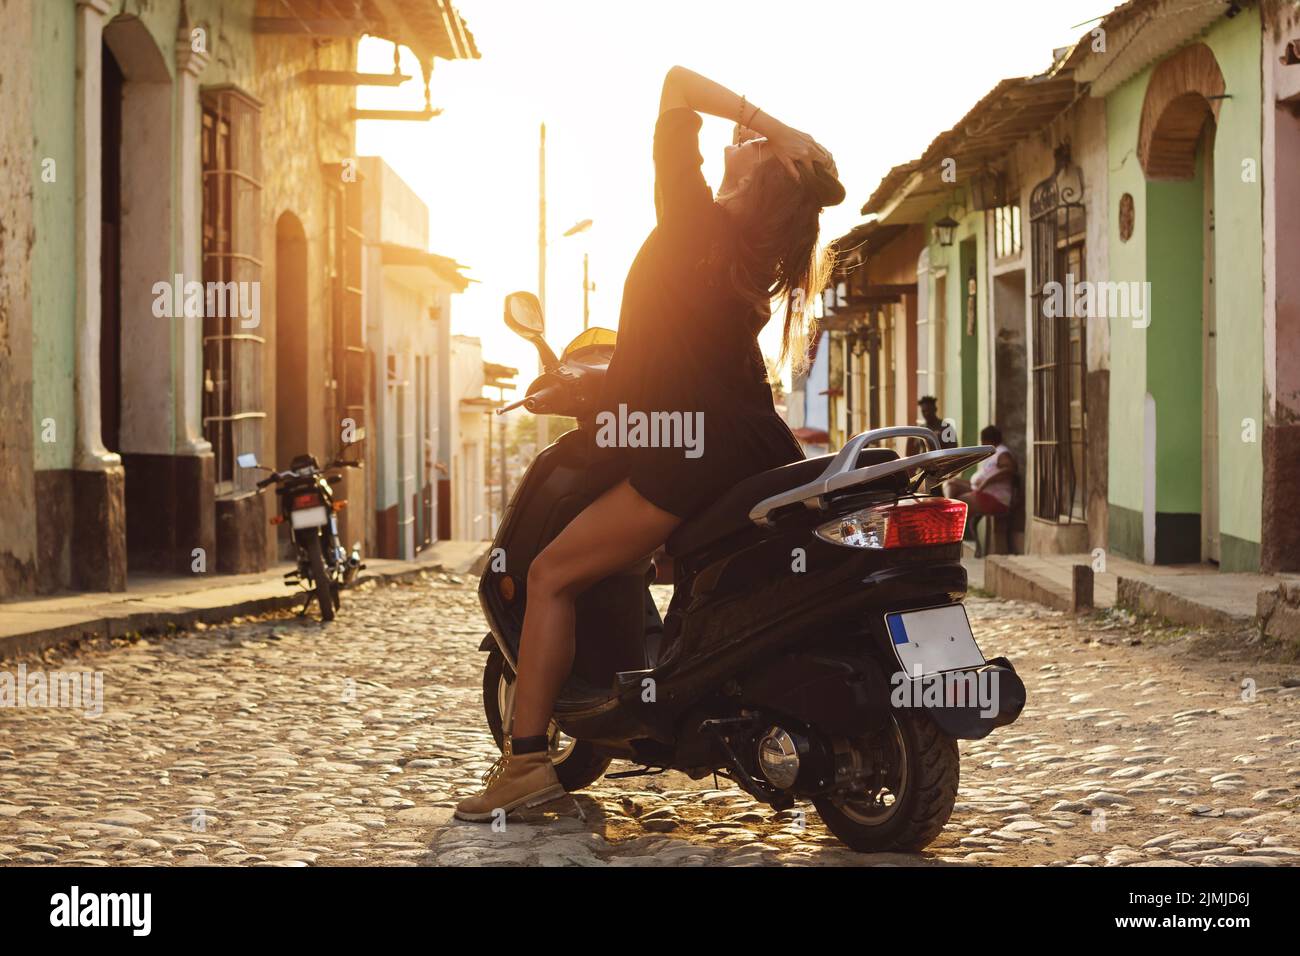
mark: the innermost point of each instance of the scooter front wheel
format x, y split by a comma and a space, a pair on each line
325, 594
916, 768
576, 763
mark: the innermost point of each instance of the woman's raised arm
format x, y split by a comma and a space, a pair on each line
686, 88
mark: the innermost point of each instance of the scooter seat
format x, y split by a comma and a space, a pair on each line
730, 514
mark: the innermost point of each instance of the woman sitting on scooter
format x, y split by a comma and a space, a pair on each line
698, 293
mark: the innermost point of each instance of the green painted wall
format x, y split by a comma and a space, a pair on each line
972, 418
54, 264
1161, 359
1128, 263
1173, 366
966, 385
230, 43
1239, 286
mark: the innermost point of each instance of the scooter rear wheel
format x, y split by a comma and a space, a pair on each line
911, 808
576, 763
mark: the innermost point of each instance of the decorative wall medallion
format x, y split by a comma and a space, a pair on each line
1126, 217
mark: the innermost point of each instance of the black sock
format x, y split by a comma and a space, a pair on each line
528, 745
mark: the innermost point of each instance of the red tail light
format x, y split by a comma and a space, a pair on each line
310, 500
925, 521
915, 523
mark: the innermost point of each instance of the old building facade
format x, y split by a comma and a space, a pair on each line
182, 277
1106, 276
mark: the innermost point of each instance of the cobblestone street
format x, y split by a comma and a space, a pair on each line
285, 742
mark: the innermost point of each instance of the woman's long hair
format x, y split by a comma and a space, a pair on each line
777, 256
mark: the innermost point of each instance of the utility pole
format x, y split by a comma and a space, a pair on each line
541, 259
586, 288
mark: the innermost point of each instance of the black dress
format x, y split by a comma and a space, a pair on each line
688, 347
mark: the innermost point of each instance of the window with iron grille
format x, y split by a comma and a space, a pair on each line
348, 319
1057, 229
233, 413
1006, 232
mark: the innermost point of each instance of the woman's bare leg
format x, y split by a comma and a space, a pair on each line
617, 529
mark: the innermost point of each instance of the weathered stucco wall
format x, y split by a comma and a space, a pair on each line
54, 208
1239, 289
17, 487
303, 128
227, 25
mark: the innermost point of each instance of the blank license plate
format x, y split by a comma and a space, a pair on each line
934, 640
308, 517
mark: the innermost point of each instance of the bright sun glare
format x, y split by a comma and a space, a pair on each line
873, 81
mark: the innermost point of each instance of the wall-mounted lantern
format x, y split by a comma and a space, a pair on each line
988, 189
863, 338
945, 230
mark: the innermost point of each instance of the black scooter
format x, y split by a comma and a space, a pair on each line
308, 506
815, 647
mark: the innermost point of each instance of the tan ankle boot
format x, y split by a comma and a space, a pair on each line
515, 780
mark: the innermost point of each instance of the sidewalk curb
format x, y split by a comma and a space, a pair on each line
1021, 584
153, 620
1140, 596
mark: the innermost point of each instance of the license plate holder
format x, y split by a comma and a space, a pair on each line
933, 639
308, 517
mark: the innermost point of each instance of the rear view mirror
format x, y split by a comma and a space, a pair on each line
524, 314
247, 460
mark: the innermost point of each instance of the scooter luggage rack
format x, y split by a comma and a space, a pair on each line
840, 475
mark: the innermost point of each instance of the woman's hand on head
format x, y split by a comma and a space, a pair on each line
797, 151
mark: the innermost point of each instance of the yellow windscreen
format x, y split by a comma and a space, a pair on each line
589, 338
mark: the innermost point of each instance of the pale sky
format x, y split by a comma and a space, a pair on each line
874, 81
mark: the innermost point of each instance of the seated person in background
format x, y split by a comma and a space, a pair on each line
989, 490
929, 407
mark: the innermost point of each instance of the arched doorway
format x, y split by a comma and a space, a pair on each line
291, 392
136, 385
1176, 147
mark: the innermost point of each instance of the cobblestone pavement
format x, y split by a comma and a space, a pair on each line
286, 742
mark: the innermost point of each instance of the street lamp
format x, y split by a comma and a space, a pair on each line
588, 286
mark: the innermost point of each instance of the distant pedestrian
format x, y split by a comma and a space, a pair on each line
944, 431
989, 491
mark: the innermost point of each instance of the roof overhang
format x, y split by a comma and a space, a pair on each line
1137, 34
429, 28
865, 240
419, 263
1010, 112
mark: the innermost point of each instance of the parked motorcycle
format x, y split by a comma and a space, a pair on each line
307, 504
815, 648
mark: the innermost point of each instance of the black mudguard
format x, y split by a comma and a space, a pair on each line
838, 694
974, 722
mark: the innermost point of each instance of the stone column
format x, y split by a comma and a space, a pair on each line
190, 64
99, 486
91, 455
194, 474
